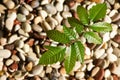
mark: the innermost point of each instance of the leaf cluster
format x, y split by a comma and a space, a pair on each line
81, 27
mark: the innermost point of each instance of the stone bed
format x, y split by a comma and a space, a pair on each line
22, 35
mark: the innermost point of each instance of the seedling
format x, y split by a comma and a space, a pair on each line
87, 25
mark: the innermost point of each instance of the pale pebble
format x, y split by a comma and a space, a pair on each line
3, 77
44, 2
59, 18
80, 75
90, 66
15, 58
56, 65
1, 65
5, 53
37, 28
112, 57
112, 13
17, 27
65, 8
114, 27
26, 48
87, 51
107, 19
43, 14
9, 24
22, 56
46, 26
42, 74
35, 3
83, 67
37, 19
117, 70
21, 17
111, 1
114, 44
66, 14
37, 70
106, 37
109, 50
9, 62
48, 69
28, 7
59, 6
26, 27
2, 8
99, 53
112, 34
50, 9
62, 78
77, 66
107, 73
3, 41
12, 15
116, 51
10, 4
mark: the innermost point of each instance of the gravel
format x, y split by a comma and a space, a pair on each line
22, 36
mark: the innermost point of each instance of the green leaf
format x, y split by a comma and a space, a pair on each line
83, 15
97, 12
75, 23
69, 62
92, 37
80, 50
70, 33
53, 55
58, 36
101, 27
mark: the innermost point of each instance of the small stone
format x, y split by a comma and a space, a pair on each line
29, 66
107, 73
116, 5
21, 17
19, 43
9, 62
5, 53
22, 56
62, 71
15, 58
83, 67
112, 57
24, 11
1, 65
77, 66
43, 14
13, 38
59, 6
13, 67
26, 27
98, 1
36, 28
30, 42
28, 7
106, 37
112, 13
3, 77
35, 4
37, 70
56, 65
116, 51
107, 19
79, 0
111, 2
112, 34
117, 38
109, 50
115, 77
37, 19
3, 41
116, 70
100, 74
9, 46
42, 74
2, 8
95, 71
50, 9
26, 48
46, 26
116, 17
9, 24
66, 14
99, 53
10, 4
59, 18
87, 51
90, 66
80, 75
48, 69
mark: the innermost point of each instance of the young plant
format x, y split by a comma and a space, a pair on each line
87, 26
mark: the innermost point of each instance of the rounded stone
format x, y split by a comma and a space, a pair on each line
5, 53
37, 70
26, 27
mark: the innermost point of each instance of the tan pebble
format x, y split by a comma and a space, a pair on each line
2, 8
90, 78
30, 16
48, 69
66, 14
115, 77
112, 57
9, 24
62, 71
10, 4
28, 7
1, 73
15, 58
79, 0
95, 71
116, 70
26, 48
116, 5
46, 26
37, 28
100, 74
79, 75
37, 19
29, 66
43, 14
3, 41
26, 27
98, 1
9, 62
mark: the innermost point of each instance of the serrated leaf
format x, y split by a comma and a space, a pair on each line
58, 36
69, 62
53, 55
92, 37
70, 33
97, 12
75, 23
101, 27
83, 15
80, 50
